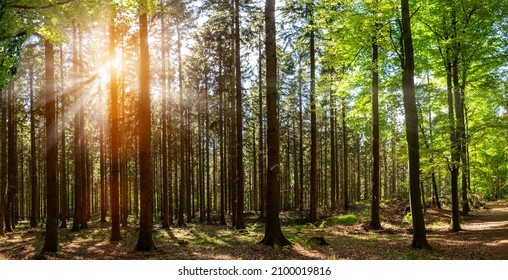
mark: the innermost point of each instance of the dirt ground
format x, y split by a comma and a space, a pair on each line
484, 236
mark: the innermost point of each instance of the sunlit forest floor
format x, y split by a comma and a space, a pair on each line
484, 236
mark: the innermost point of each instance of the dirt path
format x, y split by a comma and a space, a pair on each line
491, 225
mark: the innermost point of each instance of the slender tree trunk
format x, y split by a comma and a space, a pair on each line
222, 142
313, 132
333, 157
300, 129
3, 160
145, 241
273, 233
102, 163
240, 224
77, 146
419, 235
455, 156
33, 155
345, 153
461, 133
261, 153
63, 171
12, 158
164, 141
51, 237
394, 155
207, 144
183, 140
83, 215
114, 136
375, 222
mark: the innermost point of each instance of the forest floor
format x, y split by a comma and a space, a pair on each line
484, 236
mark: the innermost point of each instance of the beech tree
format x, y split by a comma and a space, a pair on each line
411, 114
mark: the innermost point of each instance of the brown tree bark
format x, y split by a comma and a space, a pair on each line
114, 135
300, 142
222, 141
12, 161
261, 153
240, 224
33, 156
51, 237
3, 160
183, 138
77, 139
63, 160
145, 241
333, 153
313, 131
345, 154
273, 233
408, 88
164, 141
375, 222
85, 187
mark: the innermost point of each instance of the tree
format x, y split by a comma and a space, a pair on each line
51, 237
164, 143
63, 161
114, 134
12, 155
240, 224
273, 233
376, 182
3, 160
33, 155
411, 114
77, 139
313, 128
145, 241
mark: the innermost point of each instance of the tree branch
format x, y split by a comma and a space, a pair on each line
30, 7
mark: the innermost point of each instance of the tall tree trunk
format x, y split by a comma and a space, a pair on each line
164, 141
261, 153
333, 156
207, 145
114, 135
393, 187
300, 130
345, 153
51, 238
273, 233
240, 224
102, 167
408, 88
313, 131
33, 156
12, 157
222, 142
3, 159
183, 140
455, 156
145, 241
63, 171
461, 133
76, 147
83, 215
375, 222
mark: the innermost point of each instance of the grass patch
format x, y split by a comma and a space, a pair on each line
348, 219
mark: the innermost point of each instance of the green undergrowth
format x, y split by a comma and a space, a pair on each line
348, 219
